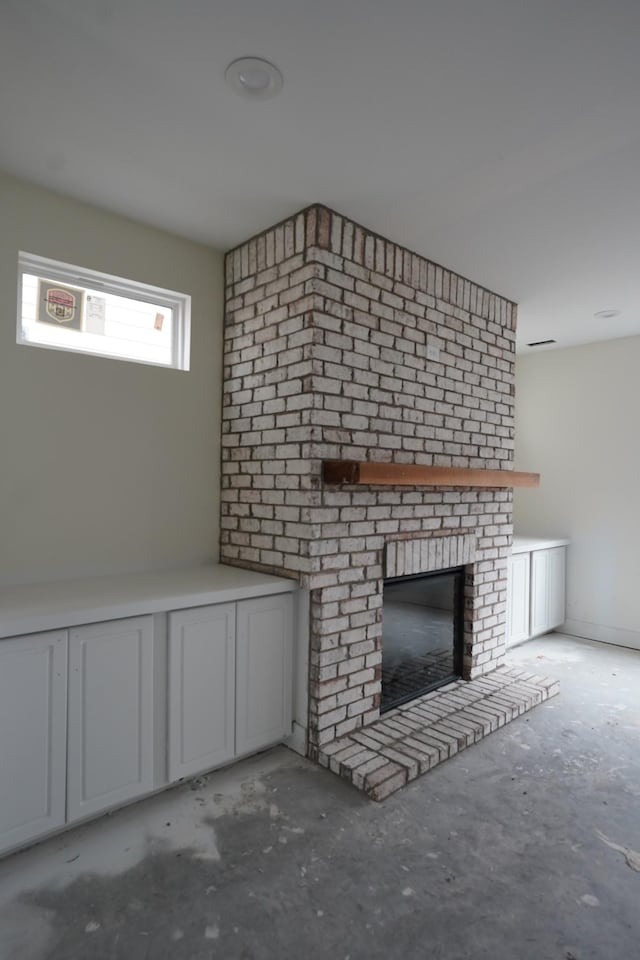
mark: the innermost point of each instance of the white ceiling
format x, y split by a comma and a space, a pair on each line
498, 137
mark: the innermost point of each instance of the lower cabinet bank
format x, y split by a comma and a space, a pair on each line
535, 587
96, 715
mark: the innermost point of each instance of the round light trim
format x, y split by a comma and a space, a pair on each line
606, 314
255, 78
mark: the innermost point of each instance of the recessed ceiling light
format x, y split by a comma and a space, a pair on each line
254, 77
606, 314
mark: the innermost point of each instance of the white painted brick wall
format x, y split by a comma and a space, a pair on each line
325, 357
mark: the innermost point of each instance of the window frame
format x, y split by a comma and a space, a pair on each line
68, 273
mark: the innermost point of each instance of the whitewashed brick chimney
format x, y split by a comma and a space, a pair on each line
325, 357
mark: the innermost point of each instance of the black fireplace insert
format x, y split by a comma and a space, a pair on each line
422, 634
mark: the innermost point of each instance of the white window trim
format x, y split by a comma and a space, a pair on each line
179, 303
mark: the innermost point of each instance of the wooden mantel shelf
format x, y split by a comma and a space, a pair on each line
414, 475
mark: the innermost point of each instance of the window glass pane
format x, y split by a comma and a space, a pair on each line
67, 315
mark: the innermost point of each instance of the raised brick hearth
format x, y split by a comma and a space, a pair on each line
416, 737
331, 334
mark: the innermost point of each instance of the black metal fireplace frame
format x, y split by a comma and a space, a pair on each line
458, 633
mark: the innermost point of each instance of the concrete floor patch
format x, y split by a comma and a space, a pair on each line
500, 852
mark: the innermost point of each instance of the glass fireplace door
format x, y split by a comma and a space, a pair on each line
422, 624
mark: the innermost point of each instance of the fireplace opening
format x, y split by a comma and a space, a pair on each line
422, 630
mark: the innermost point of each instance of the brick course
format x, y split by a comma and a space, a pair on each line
419, 735
327, 328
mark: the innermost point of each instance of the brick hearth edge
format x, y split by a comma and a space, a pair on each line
412, 739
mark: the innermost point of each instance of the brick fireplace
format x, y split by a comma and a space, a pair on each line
338, 345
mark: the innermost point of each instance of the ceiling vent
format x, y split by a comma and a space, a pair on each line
540, 343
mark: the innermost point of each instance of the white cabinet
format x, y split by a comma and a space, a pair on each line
230, 681
201, 688
33, 730
518, 588
263, 687
96, 714
547, 589
110, 750
535, 588
557, 587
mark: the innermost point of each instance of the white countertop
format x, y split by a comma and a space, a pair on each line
31, 608
526, 544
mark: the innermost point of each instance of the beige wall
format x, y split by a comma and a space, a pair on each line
105, 466
577, 423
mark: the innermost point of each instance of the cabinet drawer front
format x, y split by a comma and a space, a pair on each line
110, 714
264, 672
33, 730
201, 689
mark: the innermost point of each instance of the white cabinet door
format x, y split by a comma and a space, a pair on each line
263, 672
33, 729
110, 749
539, 592
556, 587
518, 597
547, 589
201, 689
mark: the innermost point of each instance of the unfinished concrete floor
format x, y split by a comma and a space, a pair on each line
521, 847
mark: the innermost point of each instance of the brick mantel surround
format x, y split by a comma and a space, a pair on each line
342, 345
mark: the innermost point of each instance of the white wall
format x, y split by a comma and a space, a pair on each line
105, 466
578, 424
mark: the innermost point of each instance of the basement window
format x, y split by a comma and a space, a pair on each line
65, 307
